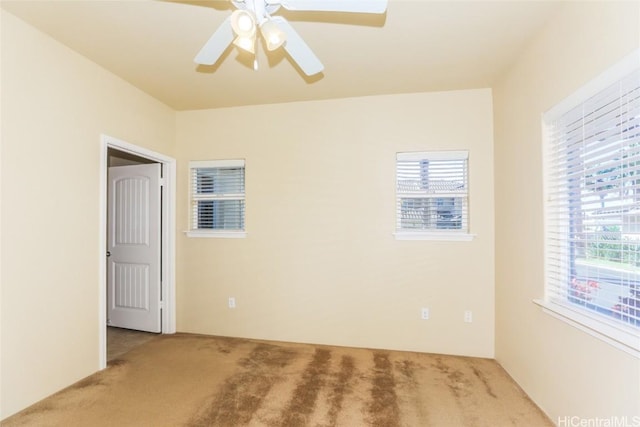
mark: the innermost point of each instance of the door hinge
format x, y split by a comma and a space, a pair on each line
161, 305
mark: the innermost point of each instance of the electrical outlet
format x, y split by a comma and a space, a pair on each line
232, 302
468, 316
424, 313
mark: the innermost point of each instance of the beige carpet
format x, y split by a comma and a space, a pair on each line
193, 380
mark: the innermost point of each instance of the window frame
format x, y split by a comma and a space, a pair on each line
622, 336
212, 233
436, 234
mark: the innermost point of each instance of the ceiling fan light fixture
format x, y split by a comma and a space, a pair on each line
246, 43
273, 35
243, 23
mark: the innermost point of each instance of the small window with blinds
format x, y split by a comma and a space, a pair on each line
217, 198
432, 196
592, 225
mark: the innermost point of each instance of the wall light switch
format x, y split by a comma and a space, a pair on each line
232, 302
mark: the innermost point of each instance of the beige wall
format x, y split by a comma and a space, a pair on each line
567, 372
55, 105
320, 263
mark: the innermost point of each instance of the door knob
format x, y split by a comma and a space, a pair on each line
108, 253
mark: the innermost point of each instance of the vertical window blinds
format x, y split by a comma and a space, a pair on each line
432, 193
593, 204
217, 195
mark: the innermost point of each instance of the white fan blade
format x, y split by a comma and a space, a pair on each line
297, 49
216, 45
357, 6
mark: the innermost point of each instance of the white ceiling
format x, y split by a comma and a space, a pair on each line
417, 46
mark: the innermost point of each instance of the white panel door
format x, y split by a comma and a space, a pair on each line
133, 247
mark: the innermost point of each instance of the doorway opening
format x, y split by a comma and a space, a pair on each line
115, 152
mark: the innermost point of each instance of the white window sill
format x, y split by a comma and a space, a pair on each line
433, 235
619, 336
217, 234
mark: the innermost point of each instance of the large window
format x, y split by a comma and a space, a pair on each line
217, 198
593, 207
432, 195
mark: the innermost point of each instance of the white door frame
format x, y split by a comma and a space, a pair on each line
168, 237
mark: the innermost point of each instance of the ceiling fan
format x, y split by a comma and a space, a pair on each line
251, 16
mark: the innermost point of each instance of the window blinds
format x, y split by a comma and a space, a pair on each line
432, 191
217, 195
593, 203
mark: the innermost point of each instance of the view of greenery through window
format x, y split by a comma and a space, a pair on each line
603, 184
606, 274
